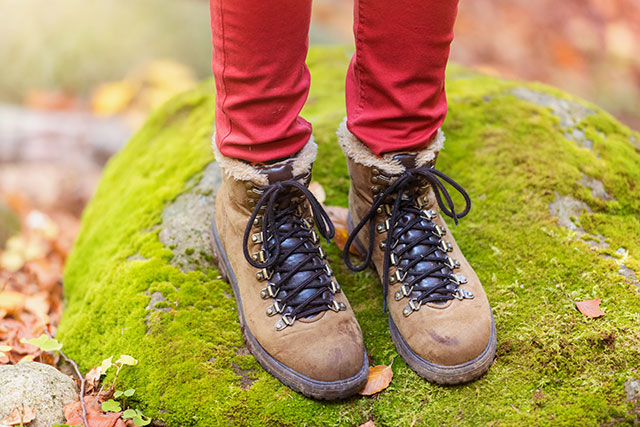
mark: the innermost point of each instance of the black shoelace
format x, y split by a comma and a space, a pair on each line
290, 260
413, 242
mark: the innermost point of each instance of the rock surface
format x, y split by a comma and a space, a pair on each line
140, 279
39, 386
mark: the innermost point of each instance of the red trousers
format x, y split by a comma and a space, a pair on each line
395, 82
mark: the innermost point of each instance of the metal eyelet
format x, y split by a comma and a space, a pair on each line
264, 274
275, 308
414, 305
270, 291
461, 294
422, 201
384, 209
259, 256
327, 267
453, 263
383, 226
337, 306
397, 277
334, 287
321, 252
430, 214
459, 279
446, 246
307, 223
285, 321
393, 258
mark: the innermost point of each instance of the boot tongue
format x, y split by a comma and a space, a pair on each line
408, 160
278, 172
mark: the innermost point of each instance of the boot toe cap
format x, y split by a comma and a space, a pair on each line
324, 352
454, 342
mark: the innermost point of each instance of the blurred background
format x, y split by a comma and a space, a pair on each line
77, 77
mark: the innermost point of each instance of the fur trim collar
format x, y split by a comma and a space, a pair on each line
359, 153
244, 171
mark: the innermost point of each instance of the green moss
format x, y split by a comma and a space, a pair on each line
554, 365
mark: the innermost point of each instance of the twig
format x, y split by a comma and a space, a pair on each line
80, 377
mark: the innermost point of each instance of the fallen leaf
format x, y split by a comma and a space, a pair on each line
338, 215
20, 415
112, 98
38, 305
93, 378
379, 378
95, 416
590, 308
12, 302
318, 191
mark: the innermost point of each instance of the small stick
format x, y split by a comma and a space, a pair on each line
80, 377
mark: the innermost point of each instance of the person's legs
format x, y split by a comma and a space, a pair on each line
262, 81
266, 224
439, 315
395, 83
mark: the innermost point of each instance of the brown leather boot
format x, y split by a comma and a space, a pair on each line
296, 321
439, 316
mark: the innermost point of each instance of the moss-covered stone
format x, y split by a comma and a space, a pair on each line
525, 152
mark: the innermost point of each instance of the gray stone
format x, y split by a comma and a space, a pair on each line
565, 208
632, 387
186, 221
596, 186
39, 386
569, 112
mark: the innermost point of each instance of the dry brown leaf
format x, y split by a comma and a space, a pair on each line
590, 308
38, 305
318, 191
95, 416
338, 215
93, 378
12, 302
379, 378
20, 415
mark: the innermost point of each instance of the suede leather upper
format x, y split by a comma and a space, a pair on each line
449, 333
325, 347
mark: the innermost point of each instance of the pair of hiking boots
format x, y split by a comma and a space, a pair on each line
295, 318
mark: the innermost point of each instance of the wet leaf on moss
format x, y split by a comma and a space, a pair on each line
590, 308
379, 378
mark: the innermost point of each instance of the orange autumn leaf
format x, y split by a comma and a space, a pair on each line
379, 378
95, 416
338, 216
318, 191
590, 308
12, 302
19, 416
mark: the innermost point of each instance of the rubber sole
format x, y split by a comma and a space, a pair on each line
320, 390
440, 374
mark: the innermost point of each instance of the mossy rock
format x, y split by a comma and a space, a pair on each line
555, 183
